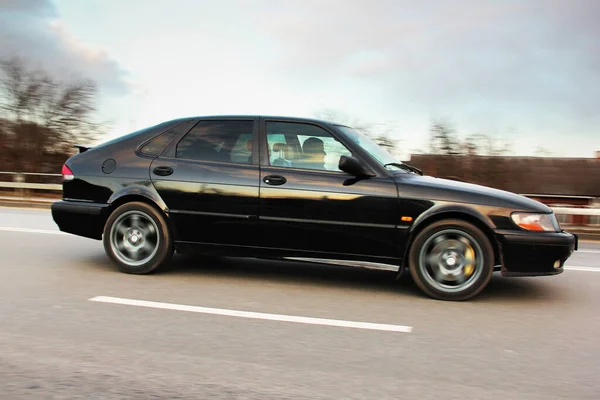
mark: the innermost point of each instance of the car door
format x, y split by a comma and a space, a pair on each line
308, 205
209, 181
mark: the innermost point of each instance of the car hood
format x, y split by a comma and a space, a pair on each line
431, 188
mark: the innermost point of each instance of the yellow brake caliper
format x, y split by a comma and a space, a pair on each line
470, 258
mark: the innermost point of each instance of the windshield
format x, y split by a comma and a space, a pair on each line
376, 151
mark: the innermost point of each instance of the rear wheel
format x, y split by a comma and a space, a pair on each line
451, 260
137, 238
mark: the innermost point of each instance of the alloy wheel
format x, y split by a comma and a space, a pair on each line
451, 260
134, 238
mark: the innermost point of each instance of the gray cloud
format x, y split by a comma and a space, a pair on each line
535, 63
29, 29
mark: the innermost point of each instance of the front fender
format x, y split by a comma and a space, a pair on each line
472, 213
480, 213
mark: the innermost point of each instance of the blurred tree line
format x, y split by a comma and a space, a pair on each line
443, 139
473, 158
42, 117
476, 158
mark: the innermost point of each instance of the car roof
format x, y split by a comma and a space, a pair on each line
151, 130
266, 116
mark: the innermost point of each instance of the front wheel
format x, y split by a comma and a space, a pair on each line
137, 238
451, 260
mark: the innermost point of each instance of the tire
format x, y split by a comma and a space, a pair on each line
149, 246
451, 260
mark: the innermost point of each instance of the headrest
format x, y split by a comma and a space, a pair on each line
280, 147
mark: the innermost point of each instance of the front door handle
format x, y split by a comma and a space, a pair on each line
274, 180
163, 171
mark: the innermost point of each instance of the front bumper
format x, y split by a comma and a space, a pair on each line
80, 218
535, 254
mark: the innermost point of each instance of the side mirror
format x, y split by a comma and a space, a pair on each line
353, 167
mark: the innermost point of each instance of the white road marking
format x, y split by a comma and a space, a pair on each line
577, 268
30, 230
254, 315
24, 211
588, 251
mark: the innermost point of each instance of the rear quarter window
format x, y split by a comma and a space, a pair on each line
157, 145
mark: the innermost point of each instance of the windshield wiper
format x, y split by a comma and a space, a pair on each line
405, 167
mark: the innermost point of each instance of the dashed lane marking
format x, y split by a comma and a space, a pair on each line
577, 268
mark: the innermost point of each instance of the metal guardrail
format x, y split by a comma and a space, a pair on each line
35, 186
28, 173
23, 189
576, 211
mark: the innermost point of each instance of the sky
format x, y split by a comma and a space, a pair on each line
524, 72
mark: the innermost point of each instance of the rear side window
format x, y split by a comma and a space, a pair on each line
222, 141
159, 143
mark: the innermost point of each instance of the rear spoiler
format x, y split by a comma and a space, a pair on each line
82, 148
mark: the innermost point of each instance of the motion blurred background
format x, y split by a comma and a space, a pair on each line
502, 93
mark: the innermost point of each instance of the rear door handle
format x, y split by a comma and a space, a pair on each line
163, 171
274, 180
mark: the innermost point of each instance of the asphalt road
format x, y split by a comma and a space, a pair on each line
523, 338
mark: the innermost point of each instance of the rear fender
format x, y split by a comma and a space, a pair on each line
140, 193
139, 190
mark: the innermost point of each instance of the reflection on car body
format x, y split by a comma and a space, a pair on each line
292, 187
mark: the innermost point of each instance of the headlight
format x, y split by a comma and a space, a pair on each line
536, 222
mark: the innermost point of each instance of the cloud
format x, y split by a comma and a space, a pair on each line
31, 30
534, 64
531, 67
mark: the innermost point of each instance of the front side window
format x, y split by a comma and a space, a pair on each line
376, 151
221, 141
305, 146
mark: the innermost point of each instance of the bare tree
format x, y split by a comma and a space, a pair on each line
443, 139
480, 162
485, 145
42, 116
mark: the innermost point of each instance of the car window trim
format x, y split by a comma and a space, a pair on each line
170, 151
296, 169
266, 144
265, 161
177, 127
211, 162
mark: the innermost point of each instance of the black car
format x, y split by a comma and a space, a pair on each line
292, 187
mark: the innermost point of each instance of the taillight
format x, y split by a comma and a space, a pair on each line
67, 173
